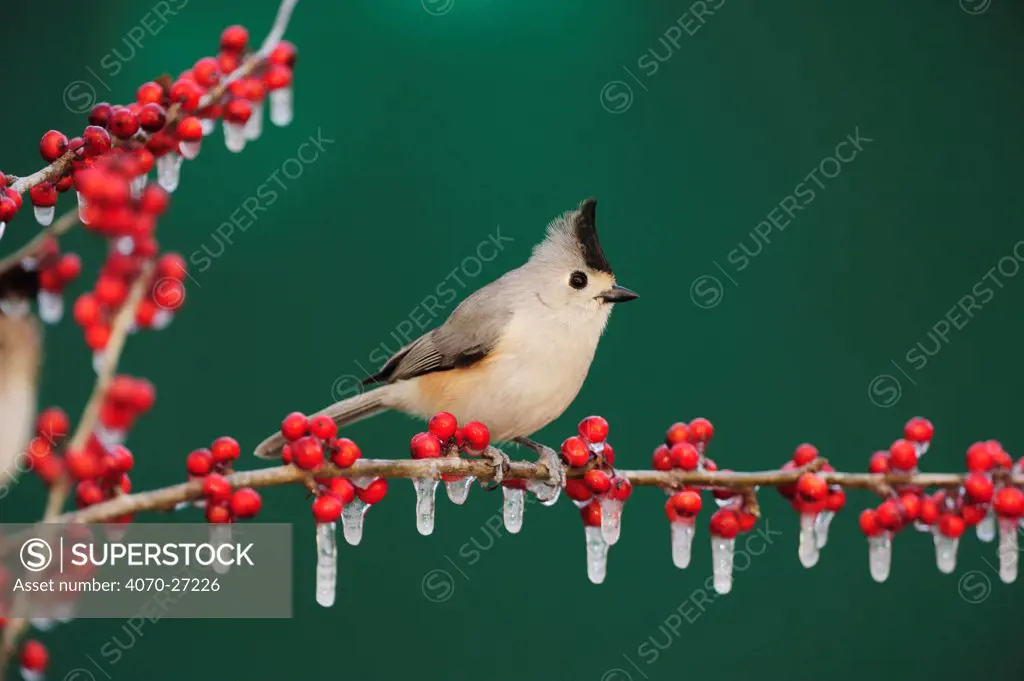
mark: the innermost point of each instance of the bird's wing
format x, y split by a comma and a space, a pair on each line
469, 334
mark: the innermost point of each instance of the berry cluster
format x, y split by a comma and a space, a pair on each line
601, 493
816, 501
56, 270
223, 503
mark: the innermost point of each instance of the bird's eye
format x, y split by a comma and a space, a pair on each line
578, 280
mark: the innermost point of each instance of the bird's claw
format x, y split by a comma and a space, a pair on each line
500, 462
547, 491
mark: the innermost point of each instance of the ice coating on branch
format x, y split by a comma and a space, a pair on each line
512, 507
986, 529
945, 552
682, 541
234, 136
352, 520
326, 563
282, 108
880, 556
44, 214
821, 525
168, 171
611, 519
425, 504
1008, 551
51, 306
253, 128
82, 205
722, 553
458, 490
597, 555
220, 534
808, 550
546, 494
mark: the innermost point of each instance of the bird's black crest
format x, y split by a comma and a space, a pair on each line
586, 235
19, 282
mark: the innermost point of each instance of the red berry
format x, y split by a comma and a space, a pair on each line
323, 427
476, 436
100, 114
979, 457
53, 423
685, 455
308, 453
835, 500
81, 464
879, 463
53, 145
216, 488
593, 429
218, 513
621, 489
919, 429
187, 93
294, 426
677, 432
246, 503
327, 508
154, 200
725, 524
805, 454
972, 514
123, 122
687, 503
277, 77
206, 72
929, 513
1009, 502
238, 111
951, 525
88, 493
8, 209
286, 454
43, 195
747, 520
608, 453
575, 451
979, 488
662, 459
225, 449
284, 53
34, 656
811, 488
149, 93
869, 523
425, 446
120, 459
345, 452
190, 129
902, 456
97, 336
577, 490
591, 514
701, 430
888, 515
597, 481
96, 140
152, 117
443, 425
342, 488
199, 463
910, 507
374, 493
69, 267
234, 38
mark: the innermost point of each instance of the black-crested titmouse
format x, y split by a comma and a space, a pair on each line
514, 354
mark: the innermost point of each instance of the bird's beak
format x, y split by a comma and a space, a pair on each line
617, 294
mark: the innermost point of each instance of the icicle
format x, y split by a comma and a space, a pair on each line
82, 206
220, 534
189, 150
110, 437
352, 520
808, 550
282, 108
821, 528
168, 171
42, 623
597, 555
682, 541
986, 529
611, 519
1008, 555
254, 126
234, 136
209, 126
98, 359
945, 552
458, 490
722, 553
162, 319
31, 674
51, 306
139, 183
326, 563
425, 489
546, 494
3, 228
880, 556
64, 611
125, 245
44, 214
512, 507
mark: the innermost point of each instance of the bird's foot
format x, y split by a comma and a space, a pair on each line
546, 491
500, 462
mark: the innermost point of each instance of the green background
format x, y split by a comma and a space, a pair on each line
447, 125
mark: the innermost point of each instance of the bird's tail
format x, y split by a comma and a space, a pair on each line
343, 413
